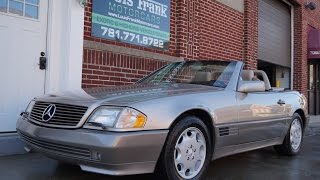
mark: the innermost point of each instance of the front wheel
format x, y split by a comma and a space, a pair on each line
293, 140
187, 152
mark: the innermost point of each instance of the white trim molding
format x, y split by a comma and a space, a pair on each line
292, 43
64, 46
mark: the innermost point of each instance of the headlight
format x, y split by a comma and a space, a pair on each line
105, 117
30, 106
117, 118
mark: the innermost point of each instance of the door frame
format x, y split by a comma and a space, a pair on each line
316, 90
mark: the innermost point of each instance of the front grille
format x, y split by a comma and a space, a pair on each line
58, 148
65, 115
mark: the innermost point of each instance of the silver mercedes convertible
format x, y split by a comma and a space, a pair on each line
172, 122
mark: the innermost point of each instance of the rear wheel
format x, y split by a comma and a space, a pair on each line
187, 152
293, 140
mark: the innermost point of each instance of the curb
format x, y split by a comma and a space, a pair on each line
11, 144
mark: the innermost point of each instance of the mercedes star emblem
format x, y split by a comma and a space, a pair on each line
49, 112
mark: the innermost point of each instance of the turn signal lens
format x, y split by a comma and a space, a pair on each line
140, 121
131, 118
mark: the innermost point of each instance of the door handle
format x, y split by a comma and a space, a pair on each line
42, 61
281, 102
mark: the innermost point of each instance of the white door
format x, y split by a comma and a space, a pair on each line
23, 29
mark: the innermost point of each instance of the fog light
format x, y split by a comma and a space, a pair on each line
96, 155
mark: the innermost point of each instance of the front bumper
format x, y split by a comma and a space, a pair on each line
102, 152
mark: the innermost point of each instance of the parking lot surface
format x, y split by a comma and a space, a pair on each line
260, 164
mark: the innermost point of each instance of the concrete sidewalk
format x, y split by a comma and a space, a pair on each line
314, 119
11, 144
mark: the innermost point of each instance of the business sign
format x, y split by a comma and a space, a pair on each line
140, 22
314, 44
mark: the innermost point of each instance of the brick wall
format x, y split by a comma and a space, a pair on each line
250, 34
200, 29
300, 63
109, 69
303, 20
221, 31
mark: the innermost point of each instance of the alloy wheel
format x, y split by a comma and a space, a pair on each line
295, 134
190, 153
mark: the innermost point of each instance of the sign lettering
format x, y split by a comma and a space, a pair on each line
315, 52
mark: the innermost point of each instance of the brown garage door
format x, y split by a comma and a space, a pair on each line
274, 41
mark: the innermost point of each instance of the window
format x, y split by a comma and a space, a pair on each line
26, 8
3, 5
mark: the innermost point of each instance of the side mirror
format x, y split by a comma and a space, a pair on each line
251, 86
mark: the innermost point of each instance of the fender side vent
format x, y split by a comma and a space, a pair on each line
224, 131
228, 131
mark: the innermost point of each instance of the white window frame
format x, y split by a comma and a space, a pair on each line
24, 10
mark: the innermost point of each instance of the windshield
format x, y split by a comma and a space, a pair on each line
209, 73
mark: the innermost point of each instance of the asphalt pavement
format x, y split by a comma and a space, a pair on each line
260, 164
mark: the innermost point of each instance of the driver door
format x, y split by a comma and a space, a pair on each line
260, 116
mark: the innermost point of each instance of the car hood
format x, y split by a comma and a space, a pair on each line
125, 95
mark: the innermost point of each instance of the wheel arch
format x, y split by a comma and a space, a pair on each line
204, 116
303, 117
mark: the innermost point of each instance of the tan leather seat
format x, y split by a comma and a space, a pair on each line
265, 78
247, 75
202, 77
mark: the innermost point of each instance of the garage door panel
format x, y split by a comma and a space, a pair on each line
274, 40
273, 27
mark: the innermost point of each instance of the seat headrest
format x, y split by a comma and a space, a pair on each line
202, 77
247, 75
265, 78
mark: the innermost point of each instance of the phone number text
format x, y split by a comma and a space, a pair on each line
132, 37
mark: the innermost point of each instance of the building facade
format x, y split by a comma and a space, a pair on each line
49, 46
271, 35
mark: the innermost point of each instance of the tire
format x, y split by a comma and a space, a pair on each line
294, 138
188, 147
